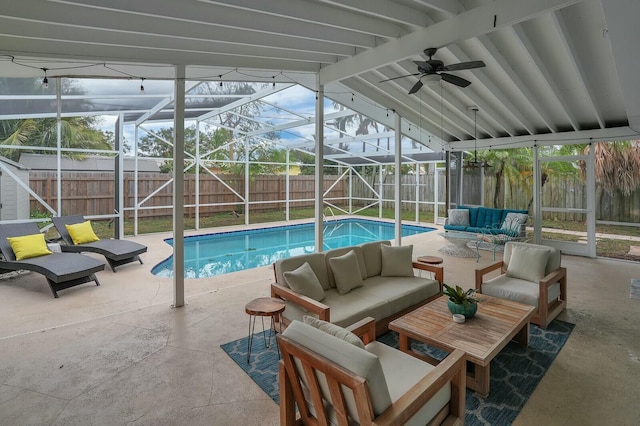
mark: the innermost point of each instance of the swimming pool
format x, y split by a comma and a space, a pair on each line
220, 253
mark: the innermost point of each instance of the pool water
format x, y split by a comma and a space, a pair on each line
215, 254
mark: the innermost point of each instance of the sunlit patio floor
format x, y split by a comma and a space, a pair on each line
120, 354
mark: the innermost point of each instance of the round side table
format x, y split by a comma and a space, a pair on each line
430, 260
263, 307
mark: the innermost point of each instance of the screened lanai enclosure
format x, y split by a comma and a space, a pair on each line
104, 148
249, 147
400, 107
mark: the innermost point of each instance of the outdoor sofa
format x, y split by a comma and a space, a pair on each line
62, 270
117, 252
485, 220
345, 285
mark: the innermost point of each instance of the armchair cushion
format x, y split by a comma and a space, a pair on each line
518, 290
304, 281
528, 263
346, 272
402, 371
397, 261
334, 330
350, 357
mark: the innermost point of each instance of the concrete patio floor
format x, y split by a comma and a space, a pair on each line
120, 354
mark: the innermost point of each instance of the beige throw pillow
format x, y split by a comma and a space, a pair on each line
527, 263
304, 281
397, 261
334, 330
346, 272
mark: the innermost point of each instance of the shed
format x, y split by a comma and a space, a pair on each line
14, 198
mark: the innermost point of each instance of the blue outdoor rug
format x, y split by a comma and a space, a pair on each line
515, 372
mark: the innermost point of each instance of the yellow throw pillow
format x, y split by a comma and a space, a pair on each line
82, 233
29, 246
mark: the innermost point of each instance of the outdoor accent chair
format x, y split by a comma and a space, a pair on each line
531, 274
62, 270
117, 252
332, 380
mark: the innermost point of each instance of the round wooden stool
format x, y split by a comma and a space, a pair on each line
263, 307
431, 260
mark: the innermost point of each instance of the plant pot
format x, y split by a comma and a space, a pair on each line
467, 310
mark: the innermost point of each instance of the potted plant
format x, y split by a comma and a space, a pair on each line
461, 301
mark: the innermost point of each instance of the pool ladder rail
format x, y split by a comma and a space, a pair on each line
324, 213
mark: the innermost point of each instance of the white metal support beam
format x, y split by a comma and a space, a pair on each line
319, 178
397, 196
178, 188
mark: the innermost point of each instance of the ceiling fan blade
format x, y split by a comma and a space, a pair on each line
454, 79
400, 76
415, 87
464, 66
424, 65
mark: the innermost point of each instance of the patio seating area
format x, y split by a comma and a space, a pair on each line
119, 353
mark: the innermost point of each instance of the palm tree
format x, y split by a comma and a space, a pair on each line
617, 166
76, 132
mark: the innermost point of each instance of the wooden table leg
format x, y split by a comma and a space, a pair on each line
523, 335
479, 379
403, 342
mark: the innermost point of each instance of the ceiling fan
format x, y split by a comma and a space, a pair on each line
437, 68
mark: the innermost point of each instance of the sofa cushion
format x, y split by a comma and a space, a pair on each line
334, 330
399, 293
329, 254
373, 257
518, 290
346, 272
402, 371
473, 214
527, 263
458, 217
315, 260
304, 281
397, 261
350, 357
488, 217
359, 303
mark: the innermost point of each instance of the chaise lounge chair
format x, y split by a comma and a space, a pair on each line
117, 252
62, 270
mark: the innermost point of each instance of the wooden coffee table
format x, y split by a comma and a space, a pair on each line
482, 337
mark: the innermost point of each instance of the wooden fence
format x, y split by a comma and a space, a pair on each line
93, 194
558, 191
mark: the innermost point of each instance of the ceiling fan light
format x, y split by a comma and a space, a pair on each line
431, 79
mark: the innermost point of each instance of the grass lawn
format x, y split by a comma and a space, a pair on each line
604, 246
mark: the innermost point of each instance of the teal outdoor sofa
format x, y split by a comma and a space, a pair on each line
486, 220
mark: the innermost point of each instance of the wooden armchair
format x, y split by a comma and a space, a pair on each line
333, 381
530, 274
